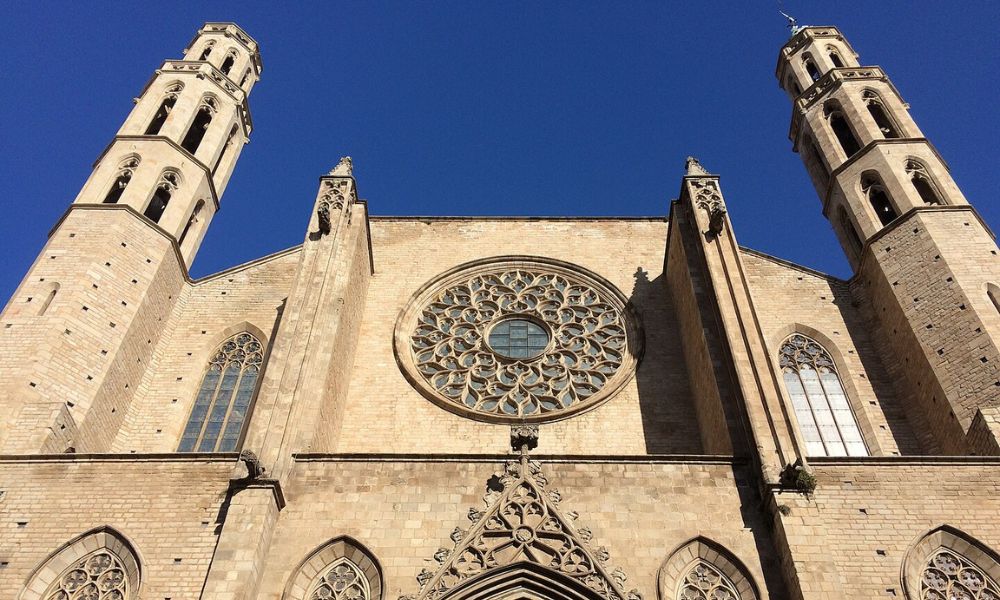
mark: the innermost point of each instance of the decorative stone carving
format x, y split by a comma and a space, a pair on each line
693, 168
443, 340
334, 196
949, 575
344, 168
705, 582
523, 437
523, 526
342, 581
708, 197
98, 575
255, 470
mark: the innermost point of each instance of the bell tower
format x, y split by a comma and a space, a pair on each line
80, 329
925, 261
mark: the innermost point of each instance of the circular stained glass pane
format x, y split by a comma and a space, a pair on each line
518, 338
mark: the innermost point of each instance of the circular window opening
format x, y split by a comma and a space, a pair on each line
518, 338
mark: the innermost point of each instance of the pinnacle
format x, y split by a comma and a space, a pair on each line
344, 168
693, 167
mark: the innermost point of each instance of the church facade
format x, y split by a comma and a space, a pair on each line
554, 408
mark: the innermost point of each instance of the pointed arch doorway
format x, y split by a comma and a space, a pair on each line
523, 581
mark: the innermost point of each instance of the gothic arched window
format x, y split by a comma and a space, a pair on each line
876, 108
948, 574
811, 68
227, 64
100, 574
169, 99
202, 119
168, 184
223, 402
705, 582
849, 231
192, 221
342, 581
835, 57
226, 149
818, 399
207, 51
921, 181
878, 197
125, 171
100, 564
845, 135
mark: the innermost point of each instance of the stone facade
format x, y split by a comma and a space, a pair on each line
359, 417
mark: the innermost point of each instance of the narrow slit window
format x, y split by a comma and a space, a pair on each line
820, 404
225, 149
224, 400
921, 181
850, 232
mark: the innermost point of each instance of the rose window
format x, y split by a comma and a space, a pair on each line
518, 339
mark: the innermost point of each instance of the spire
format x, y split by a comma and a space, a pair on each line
345, 168
693, 168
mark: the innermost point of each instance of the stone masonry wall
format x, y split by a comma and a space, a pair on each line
652, 413
167, 507
403, 510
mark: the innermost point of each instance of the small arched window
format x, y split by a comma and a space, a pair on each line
169, 99
835, 57
876, 108
818, 399
50, 295
125, 171
848, 142
245, 78
165, 188
192, 221
223, 402
227, 64
811, 68
849, 231
921, 181
878, 197
207, 51
202, 119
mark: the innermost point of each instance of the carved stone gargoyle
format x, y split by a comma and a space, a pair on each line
255, 470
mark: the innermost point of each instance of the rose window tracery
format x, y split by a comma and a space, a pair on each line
518, 340
705, 582
99, 576
949, 576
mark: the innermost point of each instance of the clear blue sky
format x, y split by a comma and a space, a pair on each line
469, 108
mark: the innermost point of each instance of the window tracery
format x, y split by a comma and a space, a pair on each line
921, 181
97, 576
581, 345
948, 575
342, 581
873, 189
819, 401
169, 99
209, 45
876, 108
165, 188
203, 118
704, 581
223, 402
125, 171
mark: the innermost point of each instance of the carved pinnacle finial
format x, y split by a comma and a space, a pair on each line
344, 168
693, 168
523, 438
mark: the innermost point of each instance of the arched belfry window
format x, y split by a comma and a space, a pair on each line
165, 188
223, 402
873, 189
169, 99
818, 399
876, 108
228, 62
921, 181
202, 119
207, 51
811, 68
849, 231
193, 220
835, 57
125, 171
838, 123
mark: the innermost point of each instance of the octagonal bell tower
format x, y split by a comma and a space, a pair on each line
926, 262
